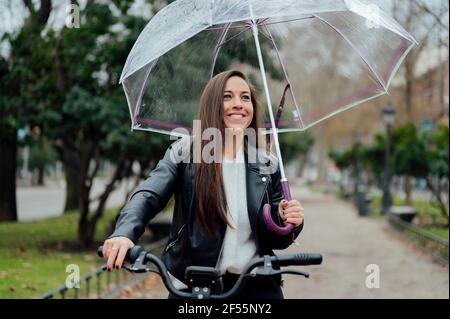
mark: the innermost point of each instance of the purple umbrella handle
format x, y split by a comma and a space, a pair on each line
268, 216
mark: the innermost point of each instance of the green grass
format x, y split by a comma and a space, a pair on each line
34, 255
426, 211
375, 205
441, 232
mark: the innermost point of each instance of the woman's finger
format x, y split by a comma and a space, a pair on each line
105, 250
121, 256
293, 210
295, 221
283, 203
294, 215
112, 256
292, 203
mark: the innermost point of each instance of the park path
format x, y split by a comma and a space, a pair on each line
348, 244
40, 202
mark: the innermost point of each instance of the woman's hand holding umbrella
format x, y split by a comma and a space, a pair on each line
291, 212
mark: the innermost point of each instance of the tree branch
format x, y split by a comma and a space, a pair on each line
44, 12
38, 20
117, 177
30, 6
424, 8
90, 177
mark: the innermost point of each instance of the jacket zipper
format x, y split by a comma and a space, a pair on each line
266, 185
175, 241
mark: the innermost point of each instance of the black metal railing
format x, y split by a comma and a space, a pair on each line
430, 243
101, 284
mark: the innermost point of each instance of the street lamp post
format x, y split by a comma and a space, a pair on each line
388, 119
360, 189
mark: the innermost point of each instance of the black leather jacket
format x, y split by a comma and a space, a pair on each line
188, 243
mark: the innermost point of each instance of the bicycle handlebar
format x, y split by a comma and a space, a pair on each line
139, 257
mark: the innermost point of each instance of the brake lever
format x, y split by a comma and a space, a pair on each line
272, 272
138, 266
295, 272
128, 267
267, 270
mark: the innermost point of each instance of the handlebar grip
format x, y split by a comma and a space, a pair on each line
303, 259
131, 256
100, 251
134, 253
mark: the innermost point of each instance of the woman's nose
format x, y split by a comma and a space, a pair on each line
237, 103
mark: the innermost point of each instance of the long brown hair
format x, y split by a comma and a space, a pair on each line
210, 199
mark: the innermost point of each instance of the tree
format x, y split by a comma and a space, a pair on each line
437, 155
8, 146
41, 156
17, 74
425, 22
409, 155
373, 156
345, 161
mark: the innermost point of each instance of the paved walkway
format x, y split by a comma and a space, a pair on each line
348, 244
39, 202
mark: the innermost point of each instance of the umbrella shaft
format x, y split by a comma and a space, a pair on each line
269, 103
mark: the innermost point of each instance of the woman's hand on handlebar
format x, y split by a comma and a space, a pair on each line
114, 251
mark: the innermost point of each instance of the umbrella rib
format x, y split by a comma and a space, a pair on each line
379, 79
234, 36
286, 21
217, 47
244, 25
144, 84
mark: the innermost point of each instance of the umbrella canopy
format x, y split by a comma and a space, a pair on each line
321, 57
312, 58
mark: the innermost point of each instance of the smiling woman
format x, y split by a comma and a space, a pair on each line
237, 102
218, 219
228, 102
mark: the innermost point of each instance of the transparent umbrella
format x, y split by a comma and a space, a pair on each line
311, 58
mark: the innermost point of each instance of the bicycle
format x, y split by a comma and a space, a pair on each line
206, 282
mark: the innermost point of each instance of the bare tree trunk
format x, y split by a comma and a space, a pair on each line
408, 190
436, 190
87, 225
409, 90
8, 145
85, 231
40, 178
71, 163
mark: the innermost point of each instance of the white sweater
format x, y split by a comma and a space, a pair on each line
239, 244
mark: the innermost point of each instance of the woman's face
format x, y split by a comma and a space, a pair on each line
237, 103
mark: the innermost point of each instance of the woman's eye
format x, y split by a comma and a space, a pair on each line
227, 96
246, 97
